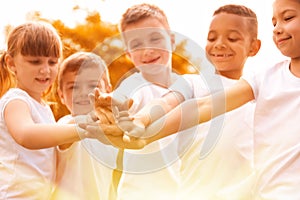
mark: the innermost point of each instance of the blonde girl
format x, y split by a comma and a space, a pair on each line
28, 132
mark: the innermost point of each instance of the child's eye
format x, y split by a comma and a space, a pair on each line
70, 88
35, 62
288, 18
211, 39
53, 62
233, 39
155, 39
135, 45
211, 36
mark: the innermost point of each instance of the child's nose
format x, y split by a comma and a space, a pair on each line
277, 29
220, 43
147, 51
45, 69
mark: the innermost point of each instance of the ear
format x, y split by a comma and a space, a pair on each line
127, 53
255, 46
61, 96
10, 63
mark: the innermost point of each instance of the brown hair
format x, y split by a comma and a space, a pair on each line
80, 61
142, 11
29, 39
242, 11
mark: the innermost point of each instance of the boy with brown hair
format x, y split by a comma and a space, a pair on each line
149, 44
79, 74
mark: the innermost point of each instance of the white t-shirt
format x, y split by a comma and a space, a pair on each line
152, 172
25, 174
229, 160
79, 174
276, 132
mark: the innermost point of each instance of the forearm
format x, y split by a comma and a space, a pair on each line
184, 116
193, 112
158, 108
38, 136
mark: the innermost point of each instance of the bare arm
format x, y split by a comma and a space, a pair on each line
158, 108
195, 111
36, 136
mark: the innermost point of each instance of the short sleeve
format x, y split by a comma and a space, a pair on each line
252, 79
13, 94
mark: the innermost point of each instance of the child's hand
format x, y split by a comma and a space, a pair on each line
103, 113
134, 143
98, 131
101, 99
131, 127
112, 135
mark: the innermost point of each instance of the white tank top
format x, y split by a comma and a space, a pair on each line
25, 173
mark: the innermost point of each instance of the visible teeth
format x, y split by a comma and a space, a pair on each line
221, 55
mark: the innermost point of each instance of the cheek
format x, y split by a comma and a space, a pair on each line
273, 37
135, 56
209, 47
167, 55
69, 102
166, 46
54, 73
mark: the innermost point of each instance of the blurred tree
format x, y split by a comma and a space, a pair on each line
102, 38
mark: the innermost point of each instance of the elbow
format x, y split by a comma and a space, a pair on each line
23, 140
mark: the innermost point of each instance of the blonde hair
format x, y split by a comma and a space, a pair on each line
142, 11
29, 39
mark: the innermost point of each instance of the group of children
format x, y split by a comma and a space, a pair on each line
254, 157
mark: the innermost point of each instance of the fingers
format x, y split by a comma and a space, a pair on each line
111, 129
102, 118
136, 132
119, 115
124, 104
105, 115
93, 116
132, 144
126, 125
101, 99
111, 135
126, 138
91, 97
110, 117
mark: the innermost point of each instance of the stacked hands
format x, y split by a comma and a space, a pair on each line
110, 121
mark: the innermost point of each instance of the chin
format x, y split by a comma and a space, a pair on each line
82, 110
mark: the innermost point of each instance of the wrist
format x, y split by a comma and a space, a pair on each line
82, 133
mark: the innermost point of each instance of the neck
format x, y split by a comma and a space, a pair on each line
231, 74
36, 96
163, 79
295, 67
160, 75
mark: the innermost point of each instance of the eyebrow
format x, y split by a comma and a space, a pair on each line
285, 11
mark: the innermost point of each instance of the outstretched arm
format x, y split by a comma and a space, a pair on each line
158, 108
195, 111
32, 135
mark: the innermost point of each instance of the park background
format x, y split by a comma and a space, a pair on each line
92, 25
